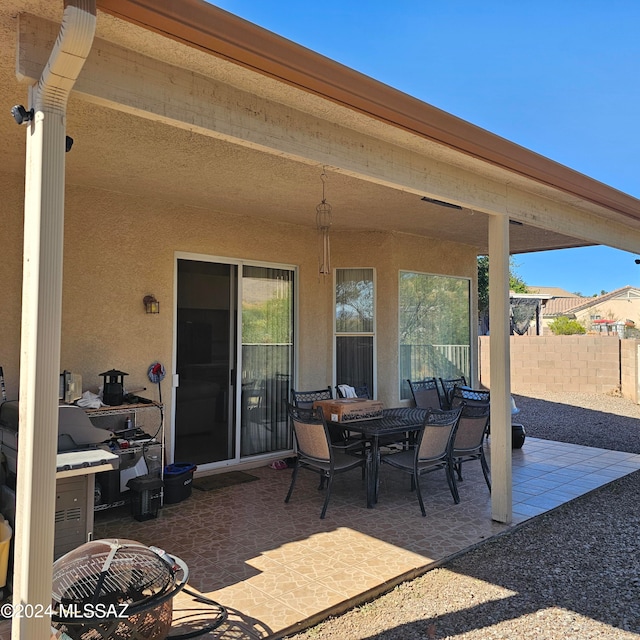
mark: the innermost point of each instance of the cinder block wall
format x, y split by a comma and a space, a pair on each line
629, 354
590, 364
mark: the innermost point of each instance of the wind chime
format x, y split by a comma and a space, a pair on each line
323, 223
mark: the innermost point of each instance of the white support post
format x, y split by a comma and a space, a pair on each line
501, 487
42, 320
39, 370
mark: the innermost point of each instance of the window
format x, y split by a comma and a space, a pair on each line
434, 327
355, 327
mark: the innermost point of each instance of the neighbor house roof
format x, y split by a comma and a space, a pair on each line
561, 305
627, 292
555, 292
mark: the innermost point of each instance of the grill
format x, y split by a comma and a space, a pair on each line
116, 590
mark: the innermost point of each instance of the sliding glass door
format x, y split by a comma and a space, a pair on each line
234, 360
267, 358
205, 353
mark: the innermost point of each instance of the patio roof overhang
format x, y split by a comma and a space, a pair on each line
155, 114
224, 35
281, 113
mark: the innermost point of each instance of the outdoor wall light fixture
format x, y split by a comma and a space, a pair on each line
323, 223
151, 305
442, 203
21, 115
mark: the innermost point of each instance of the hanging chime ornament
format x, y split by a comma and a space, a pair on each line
323, 223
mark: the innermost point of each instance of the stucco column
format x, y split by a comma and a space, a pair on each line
501, 489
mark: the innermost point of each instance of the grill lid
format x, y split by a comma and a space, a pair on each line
111, 572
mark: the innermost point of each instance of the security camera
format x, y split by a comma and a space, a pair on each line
21, 115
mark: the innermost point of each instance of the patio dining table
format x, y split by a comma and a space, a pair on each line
394, 421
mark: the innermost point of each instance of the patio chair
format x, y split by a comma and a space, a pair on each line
469, 396
468, 443
425, 393
361, 391
316, 453
446, 387
340, 437
432, 451
305, 399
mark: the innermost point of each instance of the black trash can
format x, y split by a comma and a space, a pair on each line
178, 480
146, 495
518, 435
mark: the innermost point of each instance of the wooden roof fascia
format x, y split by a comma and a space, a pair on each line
220, 33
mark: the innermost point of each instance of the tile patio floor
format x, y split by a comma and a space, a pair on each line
278, 568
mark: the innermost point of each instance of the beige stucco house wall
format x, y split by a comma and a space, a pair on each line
118, 248
620, 305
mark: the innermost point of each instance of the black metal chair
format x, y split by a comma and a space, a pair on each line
340, 437
468, 443
305, 399
446, 386
316, 453
425, 393
469, 396
432, 451
361, 391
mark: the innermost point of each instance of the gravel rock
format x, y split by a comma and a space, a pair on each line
603, 421
570, 574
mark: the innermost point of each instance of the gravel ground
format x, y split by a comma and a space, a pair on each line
571, 574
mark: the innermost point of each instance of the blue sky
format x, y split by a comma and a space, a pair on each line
557, 77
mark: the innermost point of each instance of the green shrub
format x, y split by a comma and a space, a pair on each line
563, 326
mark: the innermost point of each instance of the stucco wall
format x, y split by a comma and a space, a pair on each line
588, 364
616, 309
11, 241
119, 247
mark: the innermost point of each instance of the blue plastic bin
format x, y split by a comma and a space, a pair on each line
178, 480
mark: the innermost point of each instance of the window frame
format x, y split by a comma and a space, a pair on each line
340, 334
403, 394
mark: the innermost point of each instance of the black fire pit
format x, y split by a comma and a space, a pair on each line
116, 590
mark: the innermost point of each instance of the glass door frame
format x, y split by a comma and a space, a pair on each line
237, 460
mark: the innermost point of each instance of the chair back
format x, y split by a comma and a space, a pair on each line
425, 393
447, 385
469, 396
437, 434
361, 391
305, 399
311, 433
471, 428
